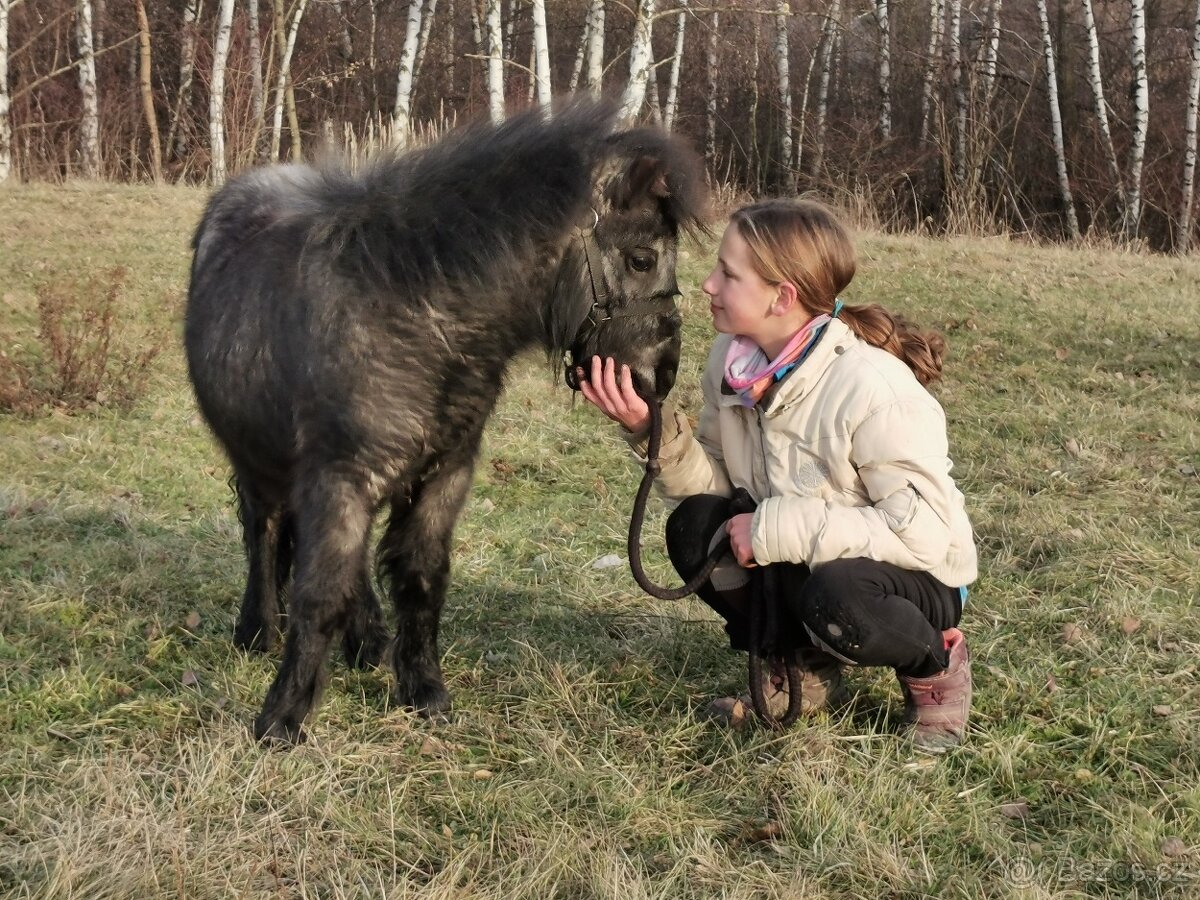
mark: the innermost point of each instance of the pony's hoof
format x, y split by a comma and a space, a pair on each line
366, 652
253, 638
429, 702
278, 735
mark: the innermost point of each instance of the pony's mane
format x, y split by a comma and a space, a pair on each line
472, 209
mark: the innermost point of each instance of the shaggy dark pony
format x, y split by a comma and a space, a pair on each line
347, 337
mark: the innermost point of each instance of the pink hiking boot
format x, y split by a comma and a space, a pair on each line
936, 707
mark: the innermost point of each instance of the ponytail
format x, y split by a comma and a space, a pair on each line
922, 351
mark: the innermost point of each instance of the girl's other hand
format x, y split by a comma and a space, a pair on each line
741, 539
613, 396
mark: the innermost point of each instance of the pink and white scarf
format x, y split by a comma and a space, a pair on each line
750, 373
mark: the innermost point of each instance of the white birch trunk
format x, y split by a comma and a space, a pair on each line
1141, 118
885, 69
450, 56
510, 40
176, 138
1097, 84
495, 71
991, 48
282, 77
89, 123
258, 94
5, 122
580, 53
783, 14
639, 62
423, 42
676, 65
830, 32
960, 94
541, 52
933, 63
710, 105
595, 54
216, 95
1060, 155
1184, 240
401, 111
146, 81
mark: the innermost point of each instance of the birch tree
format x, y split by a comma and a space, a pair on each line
710, 100
495, 70
580, 53
5, 122
541, 52
89, 123
933, 62
423, 41
639, 61
829, 37
401, 112
147, 89
1141, 118
258, 94
885, 69
283, 78
216, 92
1097, 85
960, 94
176, 138
595, 52
990, 49
783, 14
1060, 155
676, 65
1184, 239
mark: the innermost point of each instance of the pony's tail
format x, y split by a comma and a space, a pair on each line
921, 350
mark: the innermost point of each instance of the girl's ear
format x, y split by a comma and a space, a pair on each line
786, 300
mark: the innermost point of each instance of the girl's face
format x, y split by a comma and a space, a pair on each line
740, 299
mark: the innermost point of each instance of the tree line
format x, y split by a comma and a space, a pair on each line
1060, 118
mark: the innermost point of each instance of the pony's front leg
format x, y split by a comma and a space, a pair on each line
415, 554
333, 520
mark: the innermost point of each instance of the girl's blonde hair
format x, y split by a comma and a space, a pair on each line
803, 243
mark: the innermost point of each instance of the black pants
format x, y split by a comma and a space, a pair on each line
869, 613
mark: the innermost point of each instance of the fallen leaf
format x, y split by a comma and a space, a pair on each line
446, 832
152, 631
1129, 624
1187, 470
1017, 810
1072, 447
1162, 709
190, 679
1072, 633
1051, 685
608, 561
1173, 846
481, 774
1061, 353
767, 831
192, 622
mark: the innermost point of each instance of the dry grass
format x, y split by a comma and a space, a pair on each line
576, 766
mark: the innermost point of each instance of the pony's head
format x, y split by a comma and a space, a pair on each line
648, 190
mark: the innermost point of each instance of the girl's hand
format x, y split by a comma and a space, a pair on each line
614, 397
741, 539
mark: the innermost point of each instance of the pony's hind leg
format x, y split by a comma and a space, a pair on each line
415, 554
268, 557
365, 637
332, 523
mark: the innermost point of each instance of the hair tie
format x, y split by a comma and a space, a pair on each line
837, 308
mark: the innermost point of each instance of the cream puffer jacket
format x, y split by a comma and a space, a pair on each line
847, 457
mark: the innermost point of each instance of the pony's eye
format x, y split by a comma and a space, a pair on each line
642, 262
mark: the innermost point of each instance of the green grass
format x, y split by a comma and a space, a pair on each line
576, 765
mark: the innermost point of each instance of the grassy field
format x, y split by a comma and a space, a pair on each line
576, 765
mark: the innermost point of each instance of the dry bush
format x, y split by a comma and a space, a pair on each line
79, 361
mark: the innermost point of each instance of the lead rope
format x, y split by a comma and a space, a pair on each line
764, 606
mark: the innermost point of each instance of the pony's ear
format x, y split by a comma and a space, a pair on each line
646, 179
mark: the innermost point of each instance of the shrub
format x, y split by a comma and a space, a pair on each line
78, 363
